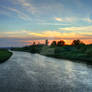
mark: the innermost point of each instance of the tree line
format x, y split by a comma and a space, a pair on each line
62, 43
77, 50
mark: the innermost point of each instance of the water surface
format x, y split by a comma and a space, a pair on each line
25, 72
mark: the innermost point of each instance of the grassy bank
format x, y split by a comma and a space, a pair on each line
82, 53
4, 55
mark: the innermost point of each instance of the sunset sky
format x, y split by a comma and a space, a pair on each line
25, 21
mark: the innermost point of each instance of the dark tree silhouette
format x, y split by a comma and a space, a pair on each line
77, 42
53, 43
61, 43
34, 43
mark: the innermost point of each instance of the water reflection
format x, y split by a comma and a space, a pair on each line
69, 67
45, 74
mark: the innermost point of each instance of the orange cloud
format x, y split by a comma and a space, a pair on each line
51, 35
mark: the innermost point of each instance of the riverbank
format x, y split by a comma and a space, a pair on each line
74, 59
4, 55
74, 55
80, 53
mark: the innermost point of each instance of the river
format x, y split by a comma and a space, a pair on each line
26, 72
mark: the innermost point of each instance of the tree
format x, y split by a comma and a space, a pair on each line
53, 43
77, 43
34, 43
61, 43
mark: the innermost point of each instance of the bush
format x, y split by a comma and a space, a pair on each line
89, 52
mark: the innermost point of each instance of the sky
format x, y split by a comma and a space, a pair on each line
25, 21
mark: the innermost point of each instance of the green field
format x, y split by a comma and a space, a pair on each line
4, 55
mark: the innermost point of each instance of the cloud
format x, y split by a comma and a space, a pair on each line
26, 37
59, 19
20, 14
87, 20
8, 12
71, 19
81, 29
5, 13
66, 19
42, 35
15, 34
25, 4
39, 8
56, 24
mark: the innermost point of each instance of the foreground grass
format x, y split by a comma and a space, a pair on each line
4, 55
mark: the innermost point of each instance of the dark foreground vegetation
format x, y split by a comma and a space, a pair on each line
77, 51
4, 55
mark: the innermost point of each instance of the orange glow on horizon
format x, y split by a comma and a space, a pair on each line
67, 42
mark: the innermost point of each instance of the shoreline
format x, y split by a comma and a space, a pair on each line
62, 57
5, 55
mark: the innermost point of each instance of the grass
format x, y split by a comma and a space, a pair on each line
4, 55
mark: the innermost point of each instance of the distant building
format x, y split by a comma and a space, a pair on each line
46, 42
